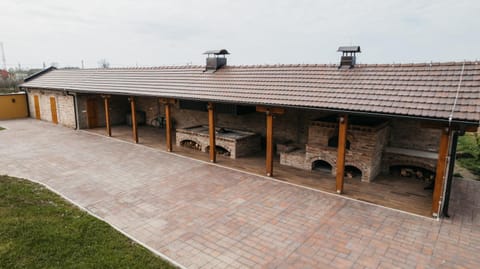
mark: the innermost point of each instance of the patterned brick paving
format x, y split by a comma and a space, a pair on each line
205, 216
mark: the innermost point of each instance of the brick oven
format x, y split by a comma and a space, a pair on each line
366, 140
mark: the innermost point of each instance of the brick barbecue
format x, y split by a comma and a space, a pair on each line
236, 142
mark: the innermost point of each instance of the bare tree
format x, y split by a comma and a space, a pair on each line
103, 63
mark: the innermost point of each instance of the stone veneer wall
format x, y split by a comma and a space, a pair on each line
65, 106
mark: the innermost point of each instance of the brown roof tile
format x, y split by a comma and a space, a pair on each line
422, 90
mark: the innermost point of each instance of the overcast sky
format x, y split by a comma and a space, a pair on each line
177, 32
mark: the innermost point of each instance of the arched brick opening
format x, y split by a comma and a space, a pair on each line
219, 150
190, 144
351, 171
321, 165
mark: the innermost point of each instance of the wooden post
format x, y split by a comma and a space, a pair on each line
269, 146
134, 119
269, 112
342, 140
168, 121
440, 173
211, 131
106, 100
168, 127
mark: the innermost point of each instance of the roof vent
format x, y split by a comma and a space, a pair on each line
348, 56
215, 59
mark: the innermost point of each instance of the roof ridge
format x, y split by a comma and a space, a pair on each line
142, 67
424, 64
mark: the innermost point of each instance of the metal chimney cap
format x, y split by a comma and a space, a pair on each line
217, 52
349, 49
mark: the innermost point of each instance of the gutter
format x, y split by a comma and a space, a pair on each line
28, 102
75, 107
453, 151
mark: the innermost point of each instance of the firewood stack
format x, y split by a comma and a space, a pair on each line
192, 145
418, 173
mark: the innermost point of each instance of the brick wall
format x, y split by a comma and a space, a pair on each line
65, 106
409, 134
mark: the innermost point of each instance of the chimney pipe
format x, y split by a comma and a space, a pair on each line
215, 60
349, 57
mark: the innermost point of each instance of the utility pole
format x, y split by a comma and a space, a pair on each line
4, 61
82, 64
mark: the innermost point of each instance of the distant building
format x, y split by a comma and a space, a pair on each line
4, 74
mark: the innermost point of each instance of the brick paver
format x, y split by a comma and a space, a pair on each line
206, 216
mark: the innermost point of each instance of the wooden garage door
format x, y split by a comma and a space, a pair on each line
92, 113
53, 108
37, 107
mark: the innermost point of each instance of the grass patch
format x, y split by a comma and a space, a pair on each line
470, 143
39, 229
1, 128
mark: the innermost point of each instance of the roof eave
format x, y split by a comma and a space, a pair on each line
353, 112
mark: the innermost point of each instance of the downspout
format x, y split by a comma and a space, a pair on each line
28, 102
75, 108
451, 166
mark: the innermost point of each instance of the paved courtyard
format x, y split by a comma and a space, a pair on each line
205, 216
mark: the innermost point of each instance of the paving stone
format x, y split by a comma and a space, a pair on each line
206, 216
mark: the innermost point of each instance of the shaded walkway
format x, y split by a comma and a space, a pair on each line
202, 215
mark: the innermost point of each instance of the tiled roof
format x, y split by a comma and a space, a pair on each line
419, 90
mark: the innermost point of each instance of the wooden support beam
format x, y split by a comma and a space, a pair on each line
167, 101
273, 110
342, 140
269, 112
168, 127
269, 146
211, 131
440, 173
106, 101
134, 119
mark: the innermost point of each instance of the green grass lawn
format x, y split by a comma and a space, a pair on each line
39, 229
1, 128
469, 144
